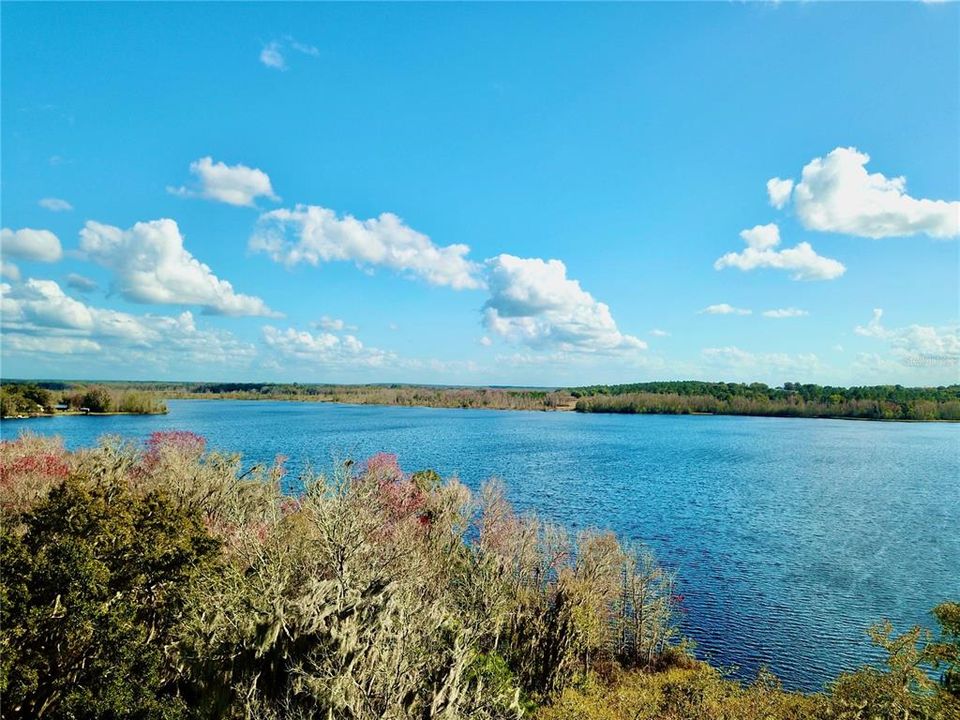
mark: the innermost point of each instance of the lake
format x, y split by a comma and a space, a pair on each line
789, 536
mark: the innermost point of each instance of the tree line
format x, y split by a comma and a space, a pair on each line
32, 399
879, 402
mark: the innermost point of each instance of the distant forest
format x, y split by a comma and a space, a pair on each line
877, 402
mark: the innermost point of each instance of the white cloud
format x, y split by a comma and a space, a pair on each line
30, 244
232, 184
790, 312
9, 271
55, 204
874, 328
724, 309
43, 303
778, 191
918, 346
533, 302
303, 47
656, 332
762, 237
273, 53
271, 56
40, 318
742, 363
760, 253
331, 324
320, 236
914, 339
837, 194
486, 341
150, 265
323, 348
33, 345
81, 282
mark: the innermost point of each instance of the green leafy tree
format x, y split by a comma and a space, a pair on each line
905, 690
946, 652
19, 399
95, 580
97, 399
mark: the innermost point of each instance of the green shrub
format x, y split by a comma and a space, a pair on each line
96, 578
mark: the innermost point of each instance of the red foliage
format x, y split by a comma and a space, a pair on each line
182, 441
383, 467
261, 530
289, 506
176, 442
279, 469
47, 464
401, 498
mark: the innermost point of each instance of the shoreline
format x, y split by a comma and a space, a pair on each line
792, 400
559, 409
76, 413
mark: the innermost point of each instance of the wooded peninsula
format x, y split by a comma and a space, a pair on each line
685, 397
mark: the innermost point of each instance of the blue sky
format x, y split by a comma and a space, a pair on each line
512, 194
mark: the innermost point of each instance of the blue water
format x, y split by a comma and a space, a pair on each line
789, 536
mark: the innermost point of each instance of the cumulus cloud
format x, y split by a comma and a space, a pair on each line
151, 265
778, 191
760, 253
43, 304
790, 312
232, 184
917, 346
837, 194
81, 283
40, 318
9, 271
34, 345
656, 332
533, 302
724, 309
272, 57
273, 54
332, 324
874, 328
314, 234
30, 244
55, 204
323, 348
